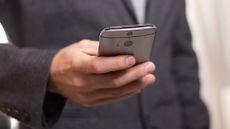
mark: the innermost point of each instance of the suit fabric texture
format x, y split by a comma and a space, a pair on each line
39, 28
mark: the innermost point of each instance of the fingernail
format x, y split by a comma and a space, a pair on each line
149, 67
130, 61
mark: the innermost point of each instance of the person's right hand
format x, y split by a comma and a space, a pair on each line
80, 75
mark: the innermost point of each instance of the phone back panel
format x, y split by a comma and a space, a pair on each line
138, 43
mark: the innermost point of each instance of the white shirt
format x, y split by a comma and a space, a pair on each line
139, 8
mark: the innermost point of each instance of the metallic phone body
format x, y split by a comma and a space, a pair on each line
134, 40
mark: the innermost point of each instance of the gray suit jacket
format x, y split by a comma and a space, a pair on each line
4, 122
39, 28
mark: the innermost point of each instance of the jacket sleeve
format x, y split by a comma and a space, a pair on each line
24, 74
1, 3
185, 72
23, 84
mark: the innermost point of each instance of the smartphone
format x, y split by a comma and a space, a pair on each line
136, 40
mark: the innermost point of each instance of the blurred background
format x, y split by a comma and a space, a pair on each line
210, 24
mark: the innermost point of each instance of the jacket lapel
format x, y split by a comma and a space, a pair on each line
129, 7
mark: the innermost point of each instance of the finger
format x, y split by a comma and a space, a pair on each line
101, 65
90, 47
113, 100
115, 80
122, 91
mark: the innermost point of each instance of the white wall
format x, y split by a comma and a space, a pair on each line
3, 38
209, 21
224, 21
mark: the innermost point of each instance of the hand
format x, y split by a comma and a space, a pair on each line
80, 75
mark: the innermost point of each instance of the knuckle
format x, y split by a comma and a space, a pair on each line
84, 41
138, 73
116, 83
96, 67
79, 84
120, 63
80, 88
75, 65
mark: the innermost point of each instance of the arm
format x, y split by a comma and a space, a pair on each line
24, 77
185, 72
75, 72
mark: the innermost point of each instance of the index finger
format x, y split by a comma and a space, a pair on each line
100, 65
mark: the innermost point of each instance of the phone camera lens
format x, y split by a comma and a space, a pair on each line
128, 43
130, 33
